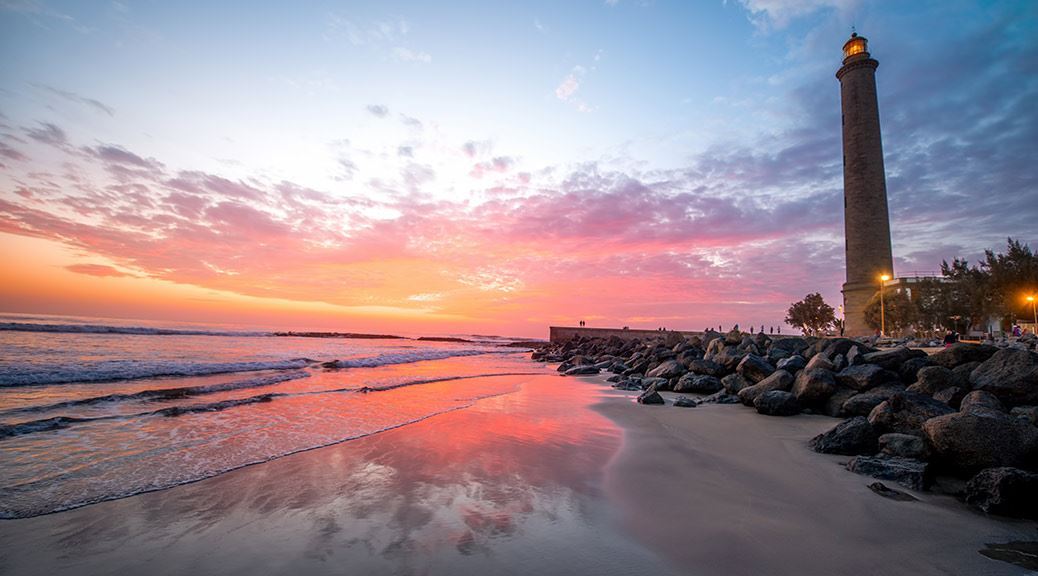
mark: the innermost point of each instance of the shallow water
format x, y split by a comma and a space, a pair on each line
92, 414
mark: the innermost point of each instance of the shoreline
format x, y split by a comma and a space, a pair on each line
718, 489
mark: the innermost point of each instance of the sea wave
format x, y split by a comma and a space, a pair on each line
160, 394
405, 358
105, 329
58, 422
109, 370
11, 507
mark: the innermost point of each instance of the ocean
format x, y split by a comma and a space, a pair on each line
96, 409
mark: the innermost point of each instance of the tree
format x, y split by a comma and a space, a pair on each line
1010, 277
900, 313
810, 315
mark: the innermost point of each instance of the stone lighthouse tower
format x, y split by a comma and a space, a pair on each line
866, 222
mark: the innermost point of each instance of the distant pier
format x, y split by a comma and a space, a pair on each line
564, 333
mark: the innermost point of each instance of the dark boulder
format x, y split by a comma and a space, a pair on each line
820, 361
708, 367
981, 438
733, 383
905, 412
685, 402
729, 357
888, 492
657, 383
814, 387
962, 353
777, 403
862, 404
864, 376
791, 344
1025, 414
650, 396
840, 346
779, 380
952, 396
582, 370
754, 368
931, 379
1009, 374
908, 372
792, 364
719, 397
667, 369
1004, 491
851, 437
698, 383
909, 473
834, 405
979, 400
892, 359
904, 446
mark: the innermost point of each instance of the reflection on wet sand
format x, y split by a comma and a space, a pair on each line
510, 485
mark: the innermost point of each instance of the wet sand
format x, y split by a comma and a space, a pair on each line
719, 489
564, 476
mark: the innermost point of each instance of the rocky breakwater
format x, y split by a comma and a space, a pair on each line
967, 415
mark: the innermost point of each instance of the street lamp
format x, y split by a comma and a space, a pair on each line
1034, 312
882, 309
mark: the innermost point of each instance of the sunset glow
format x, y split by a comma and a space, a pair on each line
392, 169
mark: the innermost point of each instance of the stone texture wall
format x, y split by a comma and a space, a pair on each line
866, 219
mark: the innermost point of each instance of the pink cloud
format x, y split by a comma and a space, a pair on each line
99, 270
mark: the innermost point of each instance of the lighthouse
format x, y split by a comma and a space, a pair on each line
866, 220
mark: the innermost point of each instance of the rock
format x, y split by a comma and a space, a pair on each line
779, 380
777, 403
708, 367
892, 359
619, 367
819, 361
979, 400
754, 368
733, 337
905, 412
814, 387
614, 378
932, 379
792, 364
791, 344
667, 369
698, 383
952, 396
864, 376
564, 366
862, 404
909, 473
1011, 375
657, 383
650, 396
720, 397
981, 438
854, 356
581, 370
1027, 414
887, 492
904, 446
729, 357
733, 383
962, 353
851, 437
1004, 491
685, 402
834, 405
909, 371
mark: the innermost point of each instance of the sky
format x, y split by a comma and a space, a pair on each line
491, 167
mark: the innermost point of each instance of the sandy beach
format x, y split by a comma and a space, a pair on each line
563, 476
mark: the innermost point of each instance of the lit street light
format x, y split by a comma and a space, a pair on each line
882, 309
1034, 312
